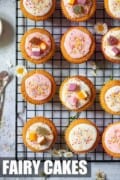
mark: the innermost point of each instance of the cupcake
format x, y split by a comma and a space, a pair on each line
82, 136
112, 7
77, 45
110, 97
111, 45
111, 140
39, 134
37, 10
38, 87
37, 46
77, 93
78, 10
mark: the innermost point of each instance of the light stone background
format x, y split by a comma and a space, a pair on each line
7, 127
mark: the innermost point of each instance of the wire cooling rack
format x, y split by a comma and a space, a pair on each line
61, 69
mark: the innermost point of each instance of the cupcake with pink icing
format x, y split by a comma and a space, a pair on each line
111, 45
82, 136
37, 46
77, 93
37, 10
78, 10
38, 87
111, 140
77, 45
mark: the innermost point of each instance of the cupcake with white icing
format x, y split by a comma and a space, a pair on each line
39, 134
111, 45
112, 8
82, 136
110, 97
111, 140
78, 10
37, 10
77, 45
77, 93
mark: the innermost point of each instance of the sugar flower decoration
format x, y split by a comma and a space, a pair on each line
68, 155
101, 28
20, 71
62, 153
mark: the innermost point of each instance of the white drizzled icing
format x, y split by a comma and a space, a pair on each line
114, 7
82, 137
112, 98
36, 145
108, 48
37, 7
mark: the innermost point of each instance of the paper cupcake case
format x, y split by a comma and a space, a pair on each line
61, 69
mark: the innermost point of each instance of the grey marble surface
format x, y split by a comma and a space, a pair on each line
7, 54
7, 121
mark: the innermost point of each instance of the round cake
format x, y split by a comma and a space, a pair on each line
111, 45
37, 10
78, 10
112, 8
111, 140
37, 46
77, 45
82, 136
77, 93
39, 134
110, 97
38, 87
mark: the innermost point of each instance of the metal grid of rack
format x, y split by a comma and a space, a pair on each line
61, 69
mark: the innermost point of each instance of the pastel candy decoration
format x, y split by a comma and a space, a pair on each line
36, 51
116, 51
73, 101
82, 94
112, 40
71, 2
81, 2
72, 87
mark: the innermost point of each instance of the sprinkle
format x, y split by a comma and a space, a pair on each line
101, 28
20, 71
